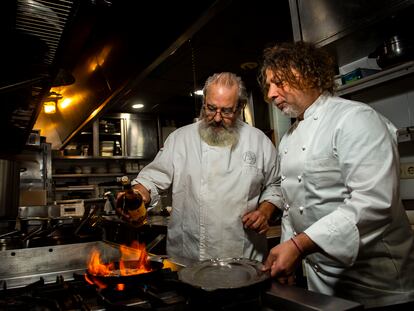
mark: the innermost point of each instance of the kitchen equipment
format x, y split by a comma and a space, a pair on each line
224, 273
9, 189
394, 50
52, 277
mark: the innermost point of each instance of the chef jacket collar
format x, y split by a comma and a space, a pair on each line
315, 109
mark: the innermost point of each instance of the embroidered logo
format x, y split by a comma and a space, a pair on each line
249, 157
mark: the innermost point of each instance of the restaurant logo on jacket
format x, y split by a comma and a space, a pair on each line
249, 157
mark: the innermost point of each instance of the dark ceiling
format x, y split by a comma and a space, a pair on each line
162, 52
232, 39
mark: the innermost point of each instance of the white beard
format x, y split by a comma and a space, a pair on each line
220, 135
291, 112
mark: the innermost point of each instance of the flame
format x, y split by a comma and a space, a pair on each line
137, 255
134, 260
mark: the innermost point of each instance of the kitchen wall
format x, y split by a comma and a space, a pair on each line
395, 101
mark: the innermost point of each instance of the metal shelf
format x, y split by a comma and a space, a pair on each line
78, 188
79, 157
377, 78
93, 175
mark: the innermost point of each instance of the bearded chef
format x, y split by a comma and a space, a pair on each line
222, 173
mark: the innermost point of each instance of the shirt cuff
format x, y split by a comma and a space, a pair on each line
337, 235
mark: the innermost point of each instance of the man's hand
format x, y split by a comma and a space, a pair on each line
138, 188
283, 261
284, 258
257, 221
145, 194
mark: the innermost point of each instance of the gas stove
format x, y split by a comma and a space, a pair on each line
53, 278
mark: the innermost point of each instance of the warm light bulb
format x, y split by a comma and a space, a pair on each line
49, 107
66, 102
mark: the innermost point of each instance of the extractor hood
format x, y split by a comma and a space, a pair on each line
31, 33
109, 49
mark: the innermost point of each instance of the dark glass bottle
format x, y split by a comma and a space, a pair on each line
130, 204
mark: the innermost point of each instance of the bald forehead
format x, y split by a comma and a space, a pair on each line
222, 95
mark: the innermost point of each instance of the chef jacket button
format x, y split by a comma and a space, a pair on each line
315, 118
303, 148
283, 177
301, 209
294, 233
285, 151
300, 178
287, 207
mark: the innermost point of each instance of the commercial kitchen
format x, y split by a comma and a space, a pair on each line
90, 90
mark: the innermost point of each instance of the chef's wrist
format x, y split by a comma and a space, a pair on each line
304, 244
266, 208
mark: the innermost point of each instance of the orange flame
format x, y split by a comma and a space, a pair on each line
134, 260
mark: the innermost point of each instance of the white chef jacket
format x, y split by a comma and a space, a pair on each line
212, 188
339, 170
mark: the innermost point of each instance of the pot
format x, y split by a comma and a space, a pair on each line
224, 274
395, 50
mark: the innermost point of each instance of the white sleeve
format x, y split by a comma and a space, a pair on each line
367, 156
159, 173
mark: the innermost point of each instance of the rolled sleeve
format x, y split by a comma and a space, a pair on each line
337, 235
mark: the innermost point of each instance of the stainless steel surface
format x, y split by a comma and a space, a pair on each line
32, 33
45, 20
323, 21
9, 188
70, 208
223, 273
394, 50
141, 136
352, 28
36, 168
23, 266
299, 299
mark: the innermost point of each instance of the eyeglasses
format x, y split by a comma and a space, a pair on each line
211, 111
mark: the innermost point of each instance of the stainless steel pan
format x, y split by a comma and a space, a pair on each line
223, 273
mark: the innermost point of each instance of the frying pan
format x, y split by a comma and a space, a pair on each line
117, 278
224, 274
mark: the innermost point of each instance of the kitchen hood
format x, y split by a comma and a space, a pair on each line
32, 33
116, 45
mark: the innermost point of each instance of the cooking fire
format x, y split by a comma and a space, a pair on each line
133, 261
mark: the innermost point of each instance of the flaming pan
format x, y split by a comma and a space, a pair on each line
224, 274
132, 277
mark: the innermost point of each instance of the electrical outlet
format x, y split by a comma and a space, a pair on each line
407, 170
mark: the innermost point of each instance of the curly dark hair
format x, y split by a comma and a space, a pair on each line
316, 68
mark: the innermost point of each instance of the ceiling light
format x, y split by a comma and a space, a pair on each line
198, 92
137, 106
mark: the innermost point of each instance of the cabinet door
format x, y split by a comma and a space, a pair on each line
141, 139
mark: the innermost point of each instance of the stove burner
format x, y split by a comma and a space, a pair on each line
161, 293
40, 296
